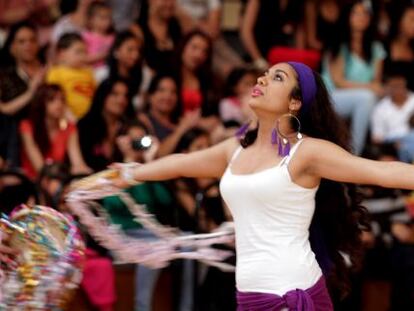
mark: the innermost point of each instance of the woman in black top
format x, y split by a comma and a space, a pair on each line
161, 32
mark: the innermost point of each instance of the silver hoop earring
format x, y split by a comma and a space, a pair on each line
287, 127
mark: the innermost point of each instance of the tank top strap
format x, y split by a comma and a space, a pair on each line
235, 154
287, 159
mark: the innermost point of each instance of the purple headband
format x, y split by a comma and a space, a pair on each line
306, 81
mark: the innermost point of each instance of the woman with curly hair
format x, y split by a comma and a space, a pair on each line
297, 217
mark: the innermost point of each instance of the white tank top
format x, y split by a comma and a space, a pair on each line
272, 216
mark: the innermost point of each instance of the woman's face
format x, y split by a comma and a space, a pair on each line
25, 46
407, 23
55, 107
117, 100
195, 52
128, 53
360, 18
163, 8
164, 99
200, 143
272, 93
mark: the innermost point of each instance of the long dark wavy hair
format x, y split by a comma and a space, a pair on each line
344, 36
6, 58
399, 12
338, 216
93, 129
38, 105
203, 73
154, 86
134, 78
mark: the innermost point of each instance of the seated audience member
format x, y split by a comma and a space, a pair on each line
72, 74
21, 72
352, 70
47, 136
390, 118
98, 129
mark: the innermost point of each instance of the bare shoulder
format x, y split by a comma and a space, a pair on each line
312, 148
229, 146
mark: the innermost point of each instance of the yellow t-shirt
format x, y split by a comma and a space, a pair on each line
78, 84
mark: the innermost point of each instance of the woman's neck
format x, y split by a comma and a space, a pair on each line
30, 68
189, 78
402, 40
264, 135
52, 124
357, 37
110, 119
123, 71
161, 117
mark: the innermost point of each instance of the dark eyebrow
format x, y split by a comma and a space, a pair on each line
282, 71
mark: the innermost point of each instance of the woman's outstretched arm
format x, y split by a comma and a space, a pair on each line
208, 163
327, 160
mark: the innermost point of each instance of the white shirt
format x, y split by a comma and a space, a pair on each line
199, 9
272, 216
390, 121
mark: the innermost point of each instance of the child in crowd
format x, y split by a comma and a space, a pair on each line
390, 119
72, 74
98, 36
238, 87
47, 136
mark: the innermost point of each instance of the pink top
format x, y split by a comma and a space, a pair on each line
58, 146
192, 99
97, 43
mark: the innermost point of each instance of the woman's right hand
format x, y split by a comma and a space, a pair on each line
125, 178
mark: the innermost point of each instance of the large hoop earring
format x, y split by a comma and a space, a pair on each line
282, 133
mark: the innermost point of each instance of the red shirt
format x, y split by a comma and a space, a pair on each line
192, 99
58, 146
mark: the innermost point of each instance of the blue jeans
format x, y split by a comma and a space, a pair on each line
146, 279
356, 105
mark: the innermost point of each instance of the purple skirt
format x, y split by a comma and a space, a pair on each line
315, 298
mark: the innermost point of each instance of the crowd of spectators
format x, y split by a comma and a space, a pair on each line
82, 82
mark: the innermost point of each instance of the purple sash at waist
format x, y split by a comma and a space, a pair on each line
315, 298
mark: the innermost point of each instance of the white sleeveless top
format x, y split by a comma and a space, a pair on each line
272, 216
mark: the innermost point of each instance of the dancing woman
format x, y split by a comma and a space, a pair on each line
273, 192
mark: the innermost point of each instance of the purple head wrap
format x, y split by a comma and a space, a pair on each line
307, 83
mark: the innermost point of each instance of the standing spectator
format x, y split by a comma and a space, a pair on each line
125, 13
21, 74
401, 43
98, 36
43, 13
99, 128
352, 70
161, 31
72, 74
47, 136
269, 23
73, 21
322, 26
206, 16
